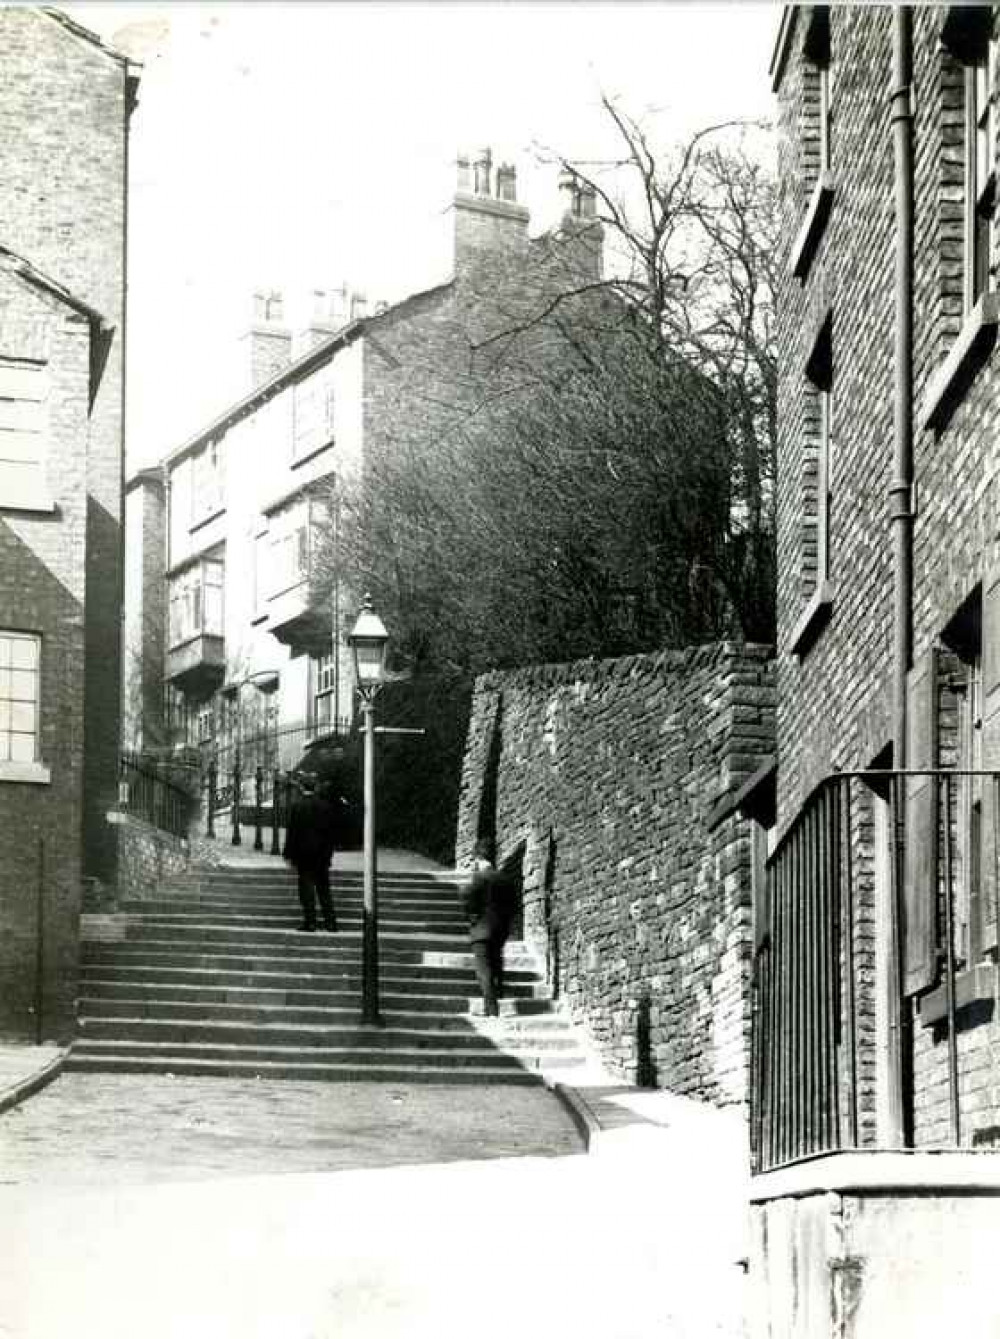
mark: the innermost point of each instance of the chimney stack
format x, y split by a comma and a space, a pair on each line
269, 341
580, 225
488, 228
568, 193
507, 183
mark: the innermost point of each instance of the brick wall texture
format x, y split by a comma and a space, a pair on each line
608, 771
834, 701
62, 161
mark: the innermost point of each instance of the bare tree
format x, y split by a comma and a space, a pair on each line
600, 480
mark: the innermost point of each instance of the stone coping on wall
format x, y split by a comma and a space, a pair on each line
593, 669
874, 1172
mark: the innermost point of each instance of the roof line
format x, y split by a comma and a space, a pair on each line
293, 372
24, 267
88, 35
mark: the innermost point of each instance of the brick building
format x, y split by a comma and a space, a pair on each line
65, 103
249, 648
876, 961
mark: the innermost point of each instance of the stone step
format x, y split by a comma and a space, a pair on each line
111, 996
388, 1070
294, 955
336, 1010
412, 980
276, 905
289, 917
161, 931
293, 947
370, 1049
285, 878
269, 1032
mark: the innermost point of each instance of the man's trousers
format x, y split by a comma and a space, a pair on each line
488, 960
314, 882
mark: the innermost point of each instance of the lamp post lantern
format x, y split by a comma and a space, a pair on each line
368, 641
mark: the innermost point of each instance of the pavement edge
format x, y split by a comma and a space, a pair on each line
17, 1092
581, 1113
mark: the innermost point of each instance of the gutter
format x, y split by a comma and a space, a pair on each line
900, 498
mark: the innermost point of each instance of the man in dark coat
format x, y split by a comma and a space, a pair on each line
491, 905
310, 837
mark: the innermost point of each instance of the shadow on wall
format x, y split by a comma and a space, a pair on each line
486, 820
645, 1064
551, 919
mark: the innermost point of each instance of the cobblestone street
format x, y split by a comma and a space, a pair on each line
104, 1129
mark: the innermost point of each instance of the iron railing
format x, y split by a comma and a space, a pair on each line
828, 979
147, 791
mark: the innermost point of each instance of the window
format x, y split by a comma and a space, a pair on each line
196, 602
313, 413
23, 435
209, 481
325, 705
289, 546
260, 549
817, 139
816, 49
980, 169
817, 492
205, 723
20, 654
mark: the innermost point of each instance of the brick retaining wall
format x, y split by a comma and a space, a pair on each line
608, 770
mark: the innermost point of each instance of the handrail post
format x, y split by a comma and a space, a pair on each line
237, 795
258, 787
213, 782
275, 785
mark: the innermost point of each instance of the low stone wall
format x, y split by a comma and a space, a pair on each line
608, 772
146, 856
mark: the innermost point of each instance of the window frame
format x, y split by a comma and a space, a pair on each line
31, 491
819, 378
30, 769
979, 194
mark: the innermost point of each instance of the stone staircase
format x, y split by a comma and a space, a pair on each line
212, 976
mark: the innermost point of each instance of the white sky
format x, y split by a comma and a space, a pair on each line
299, 145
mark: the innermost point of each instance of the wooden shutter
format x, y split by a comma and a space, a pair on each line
990, 853
919, 927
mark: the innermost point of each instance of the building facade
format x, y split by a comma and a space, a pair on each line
249, 650
64, 110
876, 957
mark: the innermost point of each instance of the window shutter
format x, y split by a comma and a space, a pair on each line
920, 873
991, 758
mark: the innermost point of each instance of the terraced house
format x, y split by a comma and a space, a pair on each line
250, 646
877, 1040
65, 101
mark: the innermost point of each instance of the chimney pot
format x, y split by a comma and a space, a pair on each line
507, 182
587, 201
359, 306
483, 165
568, 191
464, 175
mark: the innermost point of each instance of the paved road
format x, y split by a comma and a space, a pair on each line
97, 1129
182, 1209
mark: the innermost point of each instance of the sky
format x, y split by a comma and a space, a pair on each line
298, 146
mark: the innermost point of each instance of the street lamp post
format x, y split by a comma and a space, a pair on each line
368, 645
